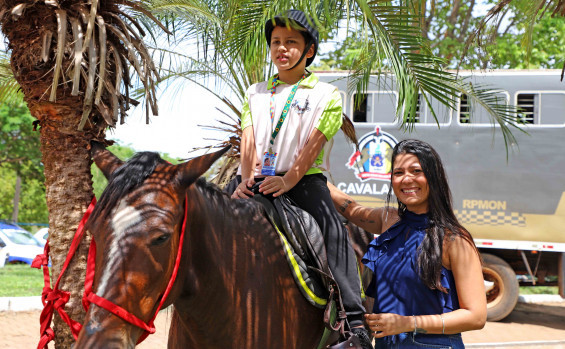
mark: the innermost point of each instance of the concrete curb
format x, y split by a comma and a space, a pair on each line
20, 303
526, 344
540, 298
34, 303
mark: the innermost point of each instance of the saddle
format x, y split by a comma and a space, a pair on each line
307, 252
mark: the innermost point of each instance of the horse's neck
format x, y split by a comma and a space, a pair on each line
222, 229
228, 238
238, 291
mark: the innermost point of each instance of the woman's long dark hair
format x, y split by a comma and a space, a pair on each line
441, 217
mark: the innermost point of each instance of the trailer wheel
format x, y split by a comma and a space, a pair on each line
503, 290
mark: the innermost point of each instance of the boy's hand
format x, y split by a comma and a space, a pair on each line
275, 185
242, 191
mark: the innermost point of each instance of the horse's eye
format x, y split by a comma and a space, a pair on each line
161, 239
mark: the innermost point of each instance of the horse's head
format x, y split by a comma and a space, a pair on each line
136, 225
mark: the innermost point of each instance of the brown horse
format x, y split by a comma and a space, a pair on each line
234, 288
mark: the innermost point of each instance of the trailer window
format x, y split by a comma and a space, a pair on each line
541, 108
425, 114
377, 107
464, 110
472, 114
526, 110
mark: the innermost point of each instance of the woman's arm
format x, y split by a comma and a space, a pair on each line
465, 263
279, 185
248, 163
373, 220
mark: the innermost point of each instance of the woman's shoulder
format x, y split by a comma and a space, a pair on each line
389, 217
456, 245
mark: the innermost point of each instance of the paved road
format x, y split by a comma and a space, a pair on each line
542, 325
529, 326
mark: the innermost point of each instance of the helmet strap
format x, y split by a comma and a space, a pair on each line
303, 55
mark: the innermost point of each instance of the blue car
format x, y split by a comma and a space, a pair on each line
17, 245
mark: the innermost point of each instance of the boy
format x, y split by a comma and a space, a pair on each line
286, 124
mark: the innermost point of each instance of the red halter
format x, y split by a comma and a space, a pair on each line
55, 299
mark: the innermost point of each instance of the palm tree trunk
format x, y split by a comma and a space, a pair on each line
69, 191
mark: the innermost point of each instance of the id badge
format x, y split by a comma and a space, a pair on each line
269, 164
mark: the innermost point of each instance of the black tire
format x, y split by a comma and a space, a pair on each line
503, 296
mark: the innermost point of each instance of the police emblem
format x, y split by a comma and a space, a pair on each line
372, 161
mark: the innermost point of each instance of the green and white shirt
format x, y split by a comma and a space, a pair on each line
316, 105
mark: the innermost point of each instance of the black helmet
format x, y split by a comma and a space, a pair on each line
310, 33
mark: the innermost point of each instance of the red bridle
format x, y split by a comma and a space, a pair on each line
55, 299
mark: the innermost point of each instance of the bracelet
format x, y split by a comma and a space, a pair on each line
442, 324
415, 327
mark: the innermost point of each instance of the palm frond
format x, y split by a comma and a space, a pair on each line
94, 53
9, 88
232, 53
500, 113
396, 45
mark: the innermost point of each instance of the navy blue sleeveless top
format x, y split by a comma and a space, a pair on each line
396, 285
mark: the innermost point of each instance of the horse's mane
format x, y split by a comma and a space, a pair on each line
222, 200
132, 173
209, 186
212, 192
126, 178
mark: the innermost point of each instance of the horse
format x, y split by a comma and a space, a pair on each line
233, 289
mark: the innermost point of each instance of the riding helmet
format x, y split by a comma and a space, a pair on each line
310, 33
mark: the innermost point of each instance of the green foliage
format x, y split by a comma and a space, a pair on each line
32, 207
19, 143
539, 290
448, 29
20, 280
20, 155
547, 47
343, 56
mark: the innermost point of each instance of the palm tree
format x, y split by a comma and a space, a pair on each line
73, 61
232, 53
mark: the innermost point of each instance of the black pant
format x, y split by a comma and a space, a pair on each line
311, 194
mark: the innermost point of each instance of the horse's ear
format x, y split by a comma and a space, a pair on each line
104, 159
189, 171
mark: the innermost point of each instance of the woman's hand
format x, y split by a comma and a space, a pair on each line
242, 191
387, 324
275, 185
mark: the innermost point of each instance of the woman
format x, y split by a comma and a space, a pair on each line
428, 282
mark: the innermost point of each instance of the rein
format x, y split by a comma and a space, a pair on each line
55, 299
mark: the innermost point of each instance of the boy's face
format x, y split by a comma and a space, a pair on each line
287, 45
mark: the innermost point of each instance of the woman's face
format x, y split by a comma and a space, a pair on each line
409, 183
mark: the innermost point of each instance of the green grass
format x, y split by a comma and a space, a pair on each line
20, 280
539, 290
